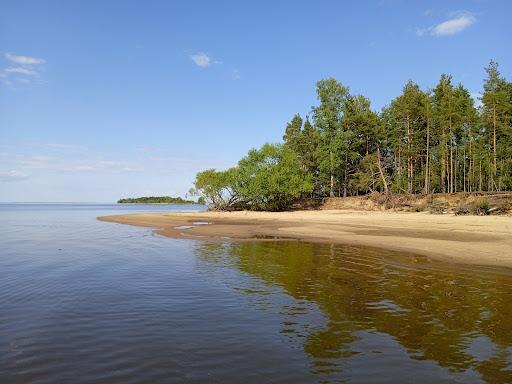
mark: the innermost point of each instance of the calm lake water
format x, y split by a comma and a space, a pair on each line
84, 301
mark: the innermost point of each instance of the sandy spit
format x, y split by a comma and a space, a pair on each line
463, 239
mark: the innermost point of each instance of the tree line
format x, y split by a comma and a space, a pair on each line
156, 200
424, 141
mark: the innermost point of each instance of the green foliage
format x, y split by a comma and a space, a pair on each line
293, 134
216, 187
328, 118
422, 142
304, 141
155, 200
483, 205
367, 176
271, 178
497, 116
266, 179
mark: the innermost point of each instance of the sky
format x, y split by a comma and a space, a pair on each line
101, 100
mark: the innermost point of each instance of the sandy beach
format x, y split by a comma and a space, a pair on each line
481, 240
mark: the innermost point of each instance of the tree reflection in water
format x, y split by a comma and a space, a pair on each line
382, 310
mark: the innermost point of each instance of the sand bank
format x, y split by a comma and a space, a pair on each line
482, 240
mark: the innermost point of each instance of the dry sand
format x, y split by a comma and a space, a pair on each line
482, 240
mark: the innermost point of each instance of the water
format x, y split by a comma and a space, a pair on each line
85, 301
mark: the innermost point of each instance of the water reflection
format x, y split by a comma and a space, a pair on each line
381, 313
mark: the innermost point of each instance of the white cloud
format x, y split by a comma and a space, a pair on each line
449, 27
25, 70
453, 26
202, 60
24, 60
21, 70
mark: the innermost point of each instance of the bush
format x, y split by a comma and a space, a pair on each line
483, 206
479, 207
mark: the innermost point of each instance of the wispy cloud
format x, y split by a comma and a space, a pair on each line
55, 146
24, 60
452, 26
67, 164
22, 69
203, 60
12, 176
35, 161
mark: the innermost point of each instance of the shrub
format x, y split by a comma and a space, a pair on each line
483, 206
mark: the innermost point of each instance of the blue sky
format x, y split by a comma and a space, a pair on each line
107, 99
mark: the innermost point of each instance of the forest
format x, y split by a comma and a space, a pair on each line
438, 140
155, 200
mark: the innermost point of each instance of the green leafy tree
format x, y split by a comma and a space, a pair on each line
328, 119
271, 178
371, 171
217, 188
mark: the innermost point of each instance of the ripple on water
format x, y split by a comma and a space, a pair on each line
116, 305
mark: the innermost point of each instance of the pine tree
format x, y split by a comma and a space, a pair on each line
293, 132
408, 124
496, 119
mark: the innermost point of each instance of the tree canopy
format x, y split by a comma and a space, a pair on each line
423, 141
269, 178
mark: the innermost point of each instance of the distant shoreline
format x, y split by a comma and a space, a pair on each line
481, 240
159, 204
156, 200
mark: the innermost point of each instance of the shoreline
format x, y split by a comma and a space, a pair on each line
477, 240
158, 204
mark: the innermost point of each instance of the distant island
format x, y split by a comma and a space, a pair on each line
157, 200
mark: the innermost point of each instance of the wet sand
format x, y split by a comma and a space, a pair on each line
481, 240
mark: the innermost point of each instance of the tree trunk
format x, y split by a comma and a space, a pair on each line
331, 192
495, 168
471, 167
450, 182
480, 184
443, 161
381, 172
409, 157
427, 160
456, 168
345, 176
464, 169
